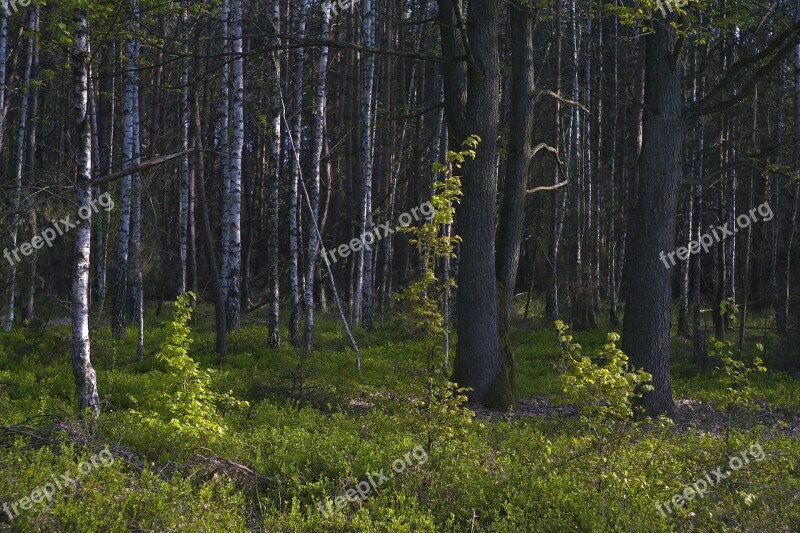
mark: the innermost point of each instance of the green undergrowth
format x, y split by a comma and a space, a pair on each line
314, 428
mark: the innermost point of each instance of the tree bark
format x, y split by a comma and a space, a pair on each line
472, 108
320, 99
11, 286
85, 378
648, 299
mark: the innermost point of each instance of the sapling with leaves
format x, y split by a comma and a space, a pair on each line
733, 372
186, 401
442, 414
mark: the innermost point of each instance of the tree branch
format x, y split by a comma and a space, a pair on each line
778, 48
141, 167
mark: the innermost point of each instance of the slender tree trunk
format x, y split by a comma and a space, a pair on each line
3, 52
213, 261
273, 317
685, 267
20, 158
294, 176
185, 181
225, 159
85, 378
234, 255
317, 133
364, 292
129, 150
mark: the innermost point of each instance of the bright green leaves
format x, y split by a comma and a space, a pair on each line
185, 400
604, 392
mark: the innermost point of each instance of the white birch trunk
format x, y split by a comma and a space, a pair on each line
129, 151
85, 378
316, 155
364, 273
20, 165
273, 275
137, 288
184, 193
234, 256
294, 173
3, 49
224, 147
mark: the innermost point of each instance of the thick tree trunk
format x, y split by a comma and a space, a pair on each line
472, 108
648, 298
85, 378
512, 211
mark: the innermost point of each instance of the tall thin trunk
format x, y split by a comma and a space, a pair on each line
698, 342
184, 190
225, 154
129, 151
20, 165
314, 179
614, 280
213, 261
364, 271
104, 222
234, 255
3, 51
85, 378
685, 267
273, 320
294, 175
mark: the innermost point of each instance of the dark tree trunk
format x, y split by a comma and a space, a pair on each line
472, 107
646, 327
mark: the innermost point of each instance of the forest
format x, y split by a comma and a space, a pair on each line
400, 265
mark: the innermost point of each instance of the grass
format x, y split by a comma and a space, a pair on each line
315, 428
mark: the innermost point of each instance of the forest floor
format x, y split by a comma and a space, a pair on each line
315, 434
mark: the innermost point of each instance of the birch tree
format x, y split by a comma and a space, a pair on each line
294, 176
363, 292
317, 133
8, 321
273, 316
185, 185
234, 254
85, 378
130, 120
3, 51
